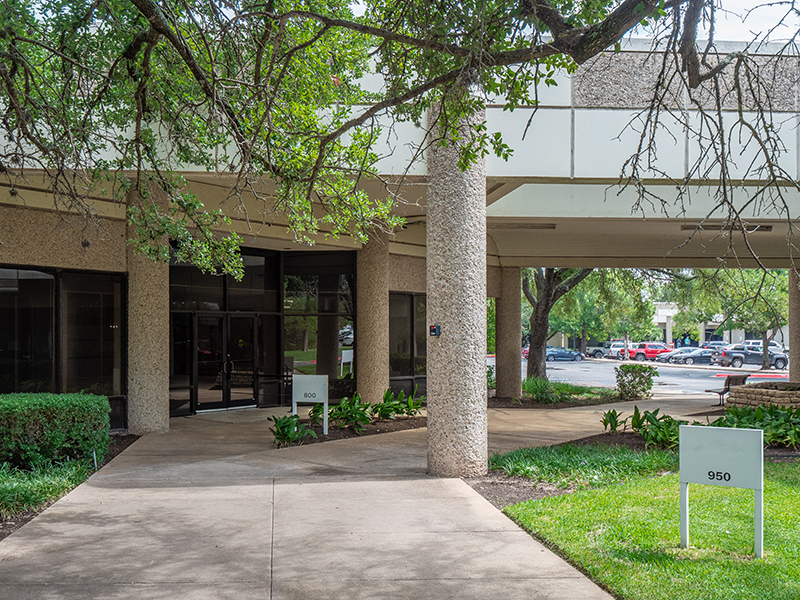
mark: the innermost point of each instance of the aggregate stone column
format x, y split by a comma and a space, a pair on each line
372, 318
148, 345
456, 286
508, 334
794, 326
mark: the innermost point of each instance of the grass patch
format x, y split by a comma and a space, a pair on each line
583, 466
627, 536
22, 491
543, 391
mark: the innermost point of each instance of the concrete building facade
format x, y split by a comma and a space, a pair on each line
79, 310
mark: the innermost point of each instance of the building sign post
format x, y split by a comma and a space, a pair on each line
729, 457
309, 389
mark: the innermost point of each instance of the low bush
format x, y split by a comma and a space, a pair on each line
491, 380
37, 429
316, 413
289, 431
350, 412
660, 431
388, 408
634, 382
397, 404
781, 425
612, 421
540, 390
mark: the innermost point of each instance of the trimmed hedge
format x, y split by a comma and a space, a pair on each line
36, 429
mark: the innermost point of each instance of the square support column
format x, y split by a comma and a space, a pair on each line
508, 327
794, 325
148, 345
372, 318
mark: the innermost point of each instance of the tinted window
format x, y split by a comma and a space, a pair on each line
26, 331
91, 313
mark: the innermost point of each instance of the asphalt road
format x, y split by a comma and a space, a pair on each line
677, 379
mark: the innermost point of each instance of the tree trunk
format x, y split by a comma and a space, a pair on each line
540, 327
583, 338
764, 351
551, 284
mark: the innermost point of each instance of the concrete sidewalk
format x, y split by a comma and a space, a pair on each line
210, 510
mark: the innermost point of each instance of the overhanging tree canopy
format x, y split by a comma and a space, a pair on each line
121, 94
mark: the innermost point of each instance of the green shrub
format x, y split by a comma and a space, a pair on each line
781, 425
350, 412
412, 405
36, 429
635, 382
289, 431
540, 390
316, 413
388, 408
612, 422
491, 380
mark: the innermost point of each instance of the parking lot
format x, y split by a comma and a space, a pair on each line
678, 379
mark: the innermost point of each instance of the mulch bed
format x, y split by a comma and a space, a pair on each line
528, 403
383, 426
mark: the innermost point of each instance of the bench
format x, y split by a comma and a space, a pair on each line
730, 381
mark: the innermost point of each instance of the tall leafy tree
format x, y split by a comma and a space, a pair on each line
543, 288
116, 97
749, 299
578, 314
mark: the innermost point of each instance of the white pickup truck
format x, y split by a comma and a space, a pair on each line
598, 351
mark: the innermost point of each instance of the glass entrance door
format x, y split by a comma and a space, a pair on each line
240, 370
226, 375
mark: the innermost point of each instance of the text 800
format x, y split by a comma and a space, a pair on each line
719, 476
310, 395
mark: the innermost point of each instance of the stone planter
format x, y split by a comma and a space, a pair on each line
783, 393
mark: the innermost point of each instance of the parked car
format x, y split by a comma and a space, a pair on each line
600, 350
698, 356
773, 345
714, 344
737, 355
346, 336
617, 348
525, 351
552, 354
673, 355
649, 350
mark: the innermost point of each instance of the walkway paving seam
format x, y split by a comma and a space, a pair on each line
210, 511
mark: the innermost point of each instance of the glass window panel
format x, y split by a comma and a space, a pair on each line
258, 289
26, 331
319, 282
270, 371
91, 340
180, 364
300, 345
191, 289
420, 335
312, 346
400, 335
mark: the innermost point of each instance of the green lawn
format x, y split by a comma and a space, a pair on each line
544, 391
21, 491
626, 535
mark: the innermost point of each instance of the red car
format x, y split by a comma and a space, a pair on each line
648, 350
525, 351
